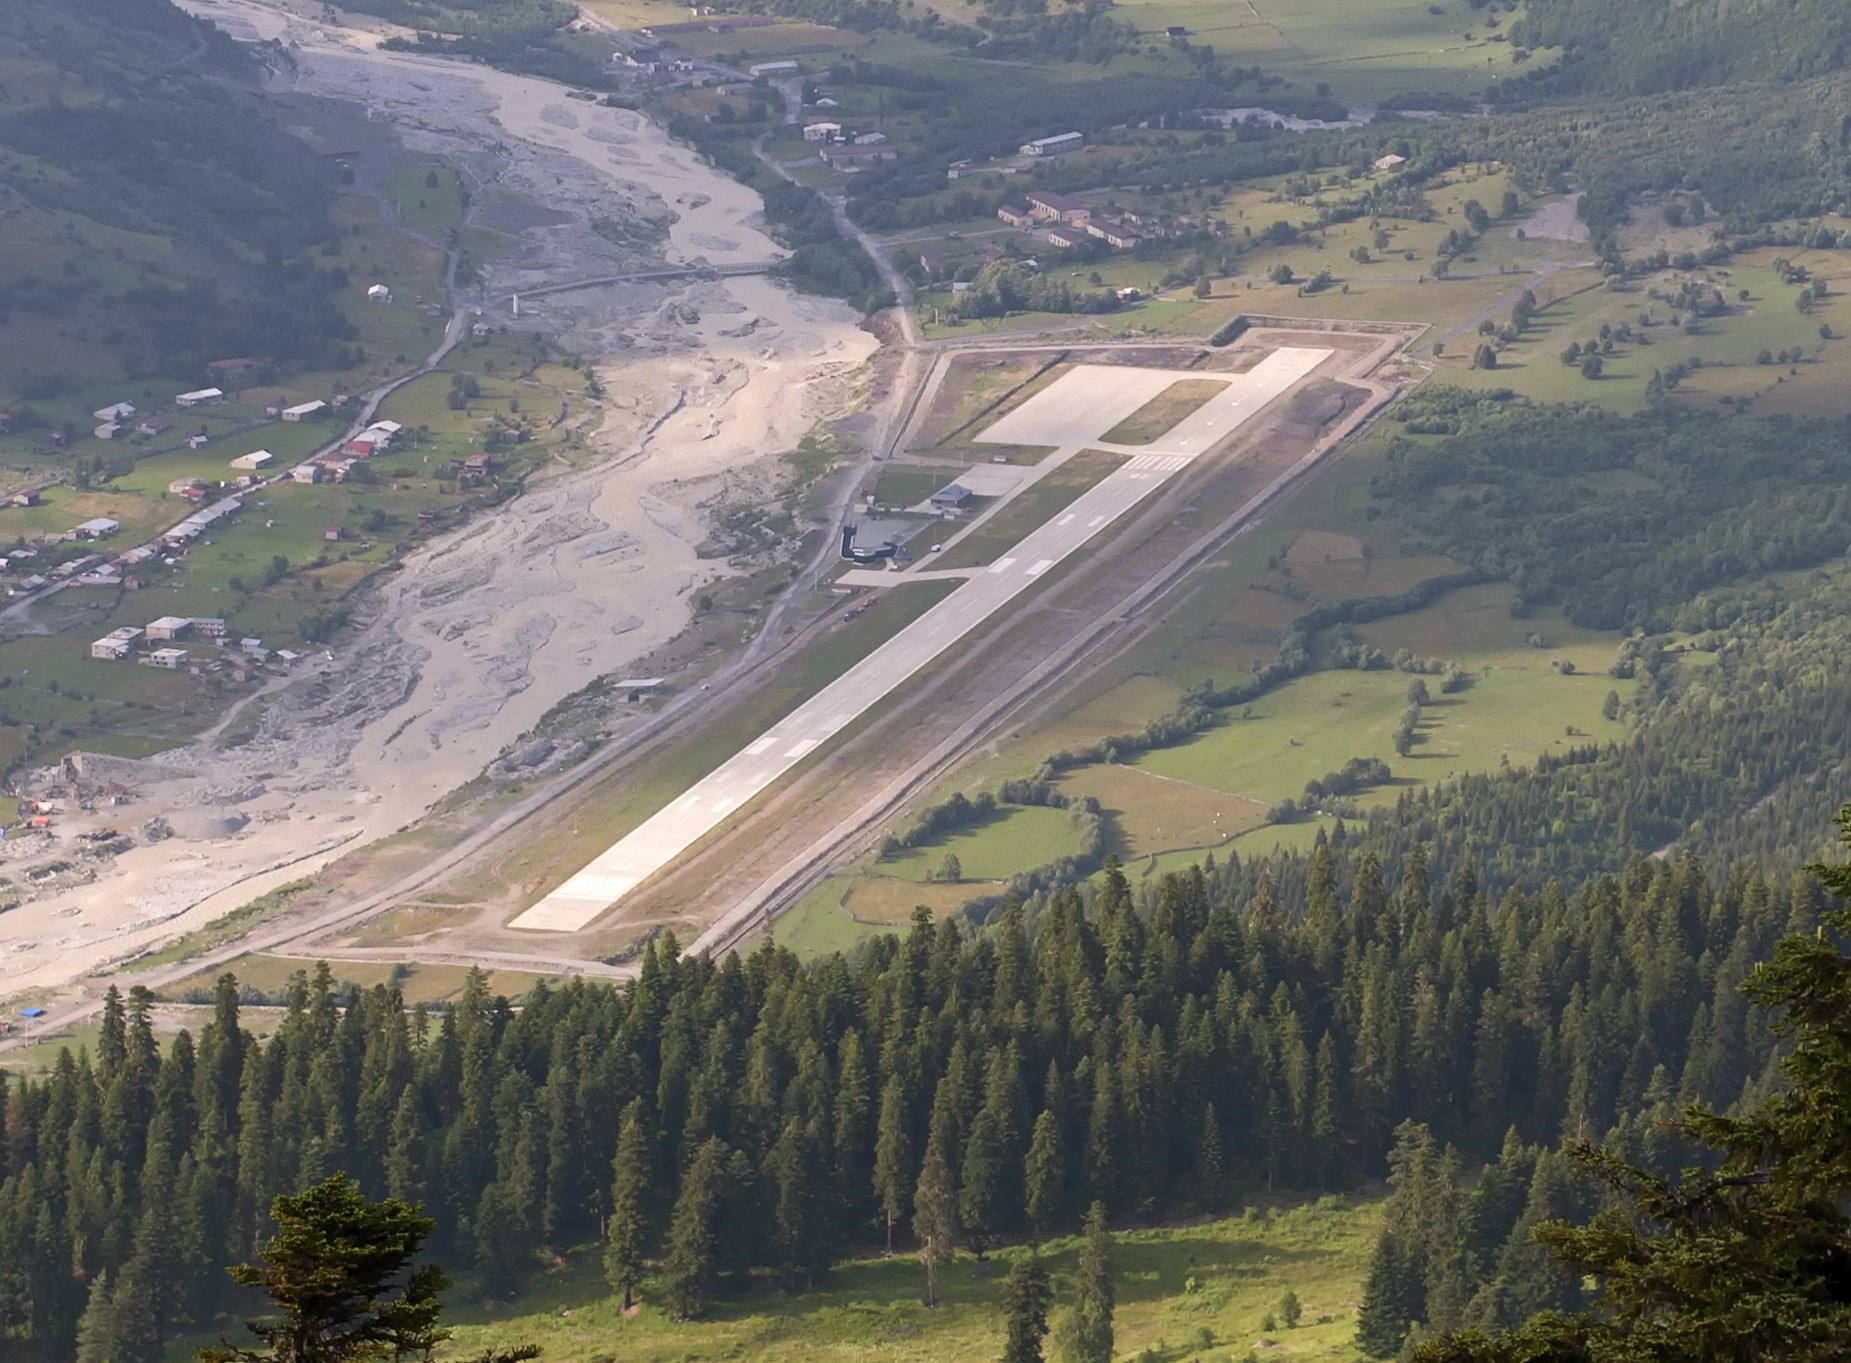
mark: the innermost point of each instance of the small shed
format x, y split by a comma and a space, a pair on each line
951, 496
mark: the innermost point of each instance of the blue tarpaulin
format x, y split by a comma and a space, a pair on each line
32, 1012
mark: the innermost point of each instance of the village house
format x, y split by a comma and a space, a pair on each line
1047, 206
172, 659
379, 293
1016, 217
195, 494
821, 132
168, 628
26, 496
1066, 238
931, 262
334, 533
181, 486
200, 397
305, 473
1113, 234
97, 528
209, 625
115, 645
109, 430
153, 425
957, 170
302, 411
198, 440
256, 459
1389, 162
119, 411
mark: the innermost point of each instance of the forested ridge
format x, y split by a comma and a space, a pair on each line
1159, 1052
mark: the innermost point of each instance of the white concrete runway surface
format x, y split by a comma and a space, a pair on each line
1071, 413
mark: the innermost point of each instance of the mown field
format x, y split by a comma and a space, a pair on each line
1201, 1291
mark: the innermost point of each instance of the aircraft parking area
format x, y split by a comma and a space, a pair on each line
1071, 414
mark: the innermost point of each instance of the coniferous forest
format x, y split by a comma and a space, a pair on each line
1161, 1053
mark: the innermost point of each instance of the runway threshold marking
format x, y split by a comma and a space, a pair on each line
663, 837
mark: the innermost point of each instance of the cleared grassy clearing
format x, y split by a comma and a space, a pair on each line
270, 976
1176, 1287
1159, 416
1149, 813
429, 199
1013, 837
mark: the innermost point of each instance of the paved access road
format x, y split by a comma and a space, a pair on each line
1083, 404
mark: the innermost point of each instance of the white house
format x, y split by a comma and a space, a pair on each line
256, 459
116, 644
379, 293
101, 527
305, 473
120, 411
173, 659
201, 397
303, 410
168, 628
821, 132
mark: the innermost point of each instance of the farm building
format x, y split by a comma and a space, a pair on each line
153, 425
211, 626
1389, 162
1016, 217
181, 486
119, 411
1047, 206
334, 532
1066, 238
198, 441
168, 628
200, 397
173, 659
109, 430
822, 132
302, 411
379, 293
256, 459
854, 158
783, 68
1057, 145
97, 528
27, 496
1113, 234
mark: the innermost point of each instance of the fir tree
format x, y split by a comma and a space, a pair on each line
623, 1244
935, 1211
893, 1157
1388, 1299
691, 1265
1086, 1334
1044, 1175
1026, 1295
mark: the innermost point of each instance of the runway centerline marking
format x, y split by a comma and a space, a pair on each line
1072, 414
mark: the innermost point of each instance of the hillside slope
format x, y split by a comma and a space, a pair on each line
1646, 46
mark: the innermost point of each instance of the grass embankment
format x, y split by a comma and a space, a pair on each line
1156, 418
1198, 1292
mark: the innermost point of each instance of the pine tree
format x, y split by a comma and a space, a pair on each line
1388, 1297
893, 1157
96, 1332
1026, 1295
981, 1182
691, 1265
1210, 1165
1086, 1334
935, 1210
623, 1243
1044, 1175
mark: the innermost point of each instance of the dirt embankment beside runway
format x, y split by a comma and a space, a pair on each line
481, 633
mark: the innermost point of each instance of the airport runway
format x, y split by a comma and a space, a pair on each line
1072, 412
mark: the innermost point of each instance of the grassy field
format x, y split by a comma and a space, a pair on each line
270, 976
1193, 1292
1727, 347
1157, 417
906, 485
1151, 813
429, 199
1013, 837
1031, 507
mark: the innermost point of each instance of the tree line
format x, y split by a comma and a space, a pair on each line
1156, 1052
